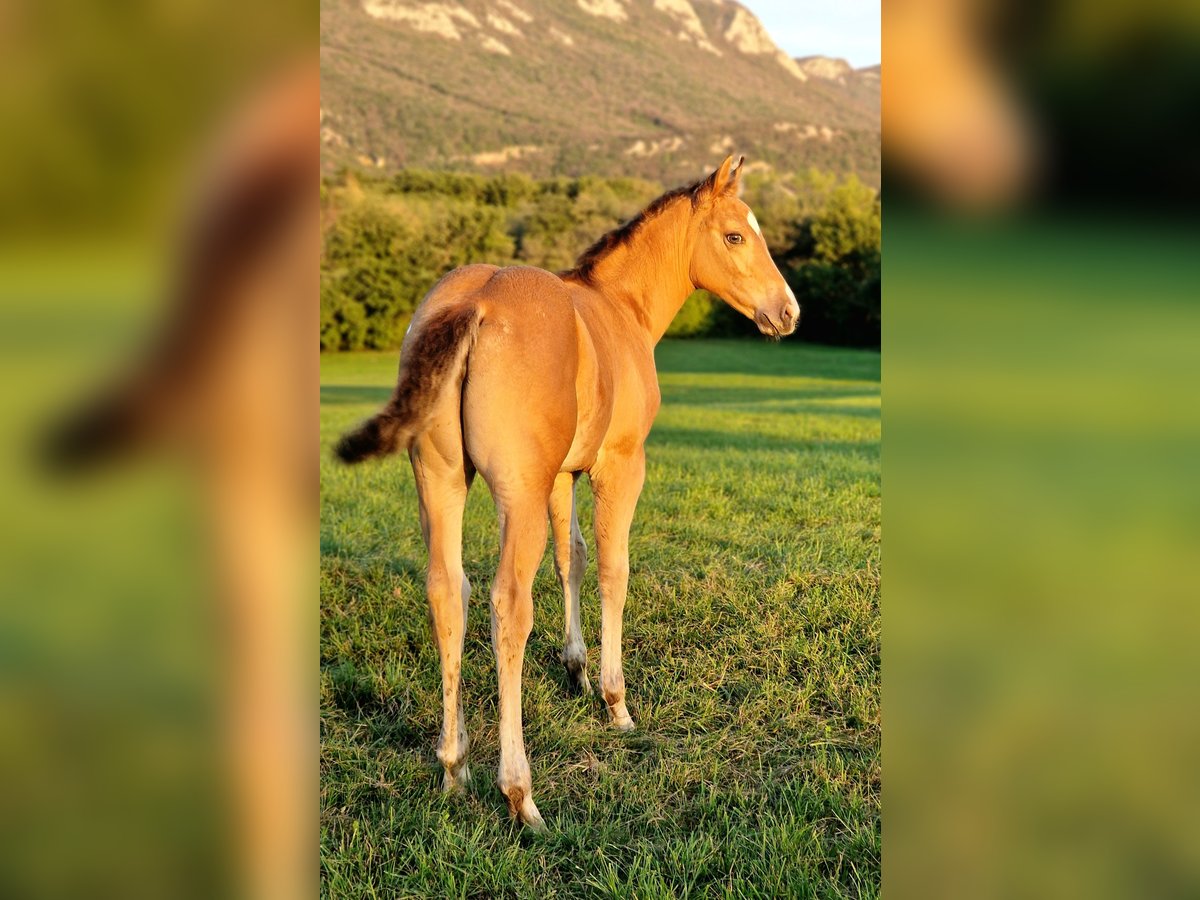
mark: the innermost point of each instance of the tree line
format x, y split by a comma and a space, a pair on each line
387, 240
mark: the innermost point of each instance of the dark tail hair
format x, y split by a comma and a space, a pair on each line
436, 353
109, 427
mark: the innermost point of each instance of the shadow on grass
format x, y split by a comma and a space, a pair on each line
715, 357
358, 555
743, 397
356, 695
750, 395
353, 395
747, 357
711, 439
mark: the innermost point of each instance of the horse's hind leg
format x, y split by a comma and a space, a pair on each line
616, 486
522, 543
442, 482
519, 417
570, 558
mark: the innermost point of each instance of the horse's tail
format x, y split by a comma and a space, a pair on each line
119, 422
434, 355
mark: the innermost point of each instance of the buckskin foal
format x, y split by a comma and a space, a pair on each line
530, 379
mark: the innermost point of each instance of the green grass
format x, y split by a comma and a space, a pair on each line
751, 657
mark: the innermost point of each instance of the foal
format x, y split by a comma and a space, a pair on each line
530, 379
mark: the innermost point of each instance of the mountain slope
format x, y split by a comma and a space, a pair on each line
654, 88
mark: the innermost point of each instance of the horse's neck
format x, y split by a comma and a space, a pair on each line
650, 272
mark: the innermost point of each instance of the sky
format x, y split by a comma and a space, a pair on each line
845, 28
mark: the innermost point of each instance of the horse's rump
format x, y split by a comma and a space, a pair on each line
433, 356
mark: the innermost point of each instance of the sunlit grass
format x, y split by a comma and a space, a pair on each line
751, 657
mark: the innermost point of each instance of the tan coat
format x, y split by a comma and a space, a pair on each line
531, 379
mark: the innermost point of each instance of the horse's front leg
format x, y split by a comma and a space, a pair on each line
570, 558
616, 484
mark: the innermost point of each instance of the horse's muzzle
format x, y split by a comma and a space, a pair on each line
779, 322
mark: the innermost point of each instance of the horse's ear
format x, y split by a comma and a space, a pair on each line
735, 176
725, 178
719, 179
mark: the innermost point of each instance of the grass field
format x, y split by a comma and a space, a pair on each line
751, 657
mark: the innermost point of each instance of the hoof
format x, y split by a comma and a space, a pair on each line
576, 665
456, 784
619, 716
521, 806
579, 678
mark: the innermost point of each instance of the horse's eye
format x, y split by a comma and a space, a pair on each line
733, 237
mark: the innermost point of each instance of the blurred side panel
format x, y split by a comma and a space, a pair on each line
1043, 495
1043, 518
151, 249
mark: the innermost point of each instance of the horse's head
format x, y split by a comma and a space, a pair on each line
731, 258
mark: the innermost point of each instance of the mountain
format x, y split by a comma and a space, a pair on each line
861, 86
659, 89
827, 67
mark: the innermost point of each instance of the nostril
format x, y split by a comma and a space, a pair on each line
788, 315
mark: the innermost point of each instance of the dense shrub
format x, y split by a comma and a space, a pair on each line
834, 267
698, 316
378, 262
841, 302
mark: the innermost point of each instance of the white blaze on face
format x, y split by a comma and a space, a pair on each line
753, 222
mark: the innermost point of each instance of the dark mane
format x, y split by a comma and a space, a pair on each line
623, 234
